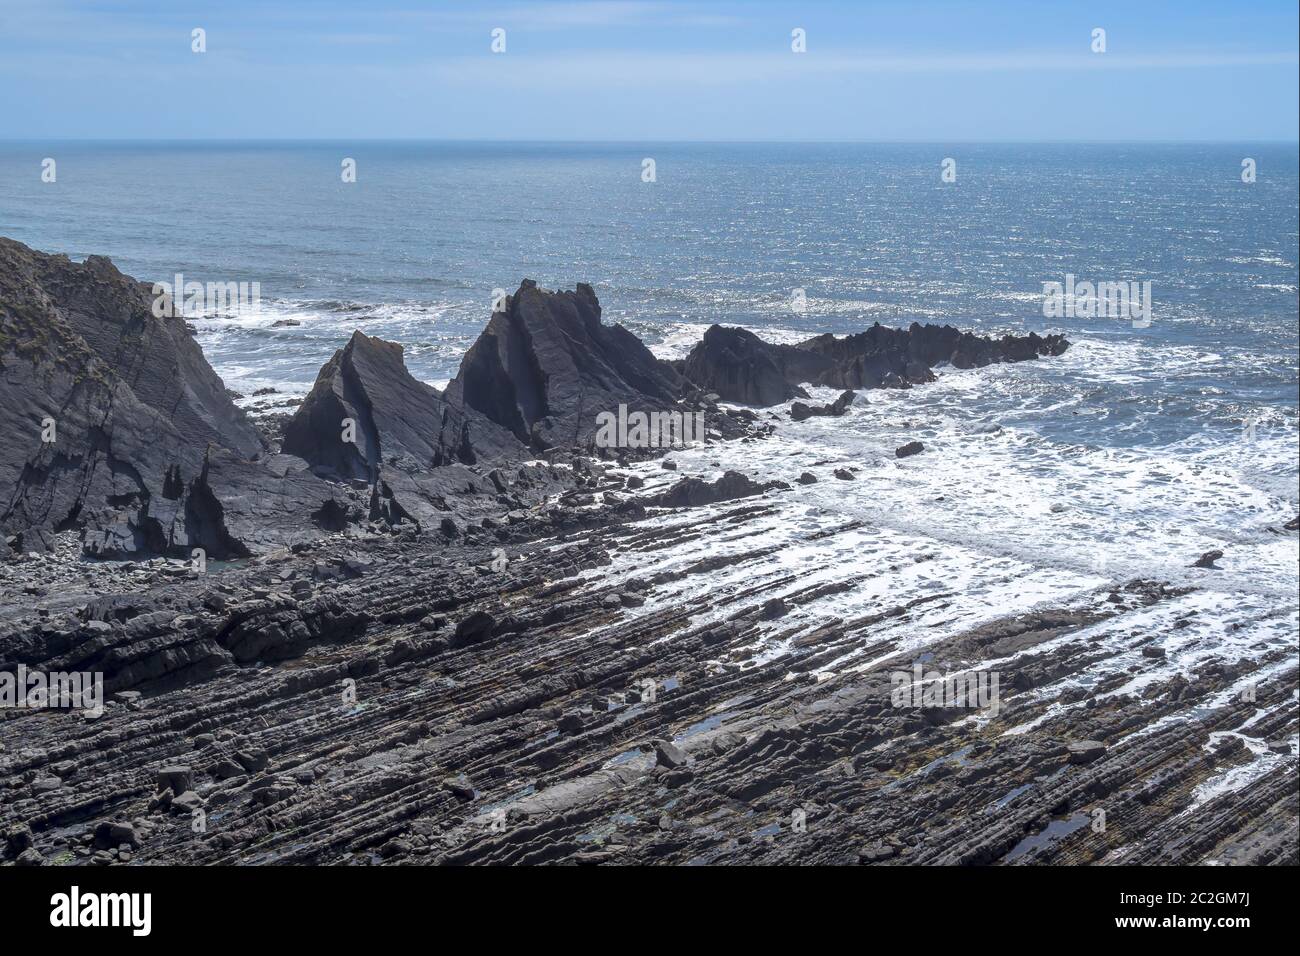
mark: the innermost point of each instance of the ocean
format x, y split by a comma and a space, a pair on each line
1134, 452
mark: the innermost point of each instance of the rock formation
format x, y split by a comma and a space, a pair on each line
545, 367
115, 424
740, 367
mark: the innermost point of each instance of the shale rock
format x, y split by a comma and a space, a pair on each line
545, 367
146, 452
694, 492
740, 367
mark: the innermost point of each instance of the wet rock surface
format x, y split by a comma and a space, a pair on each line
379, 701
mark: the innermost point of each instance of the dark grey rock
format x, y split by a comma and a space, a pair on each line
668, 754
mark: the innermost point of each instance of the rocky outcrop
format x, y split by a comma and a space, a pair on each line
546, 366
800, 412
740, 367
366, 409
119, 429
116, 426
420, 459
694, 492
884, 357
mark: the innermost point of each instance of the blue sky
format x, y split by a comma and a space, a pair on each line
649, 70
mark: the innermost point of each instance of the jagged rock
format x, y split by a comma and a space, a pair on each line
740, 367
409, 444
394, 416
668, 754
899, 358
799, 411
1207, 560
545, 367
150, 455
911, 448
807, 478
694, 492
844, 474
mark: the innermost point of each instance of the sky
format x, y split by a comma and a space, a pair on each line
651, 70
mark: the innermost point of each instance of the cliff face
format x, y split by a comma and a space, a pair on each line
116, 425
545, 367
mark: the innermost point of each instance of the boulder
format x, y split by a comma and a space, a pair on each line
1207, 560
1085, 751
668, 754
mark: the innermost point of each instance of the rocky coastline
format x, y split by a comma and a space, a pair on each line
404, 625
